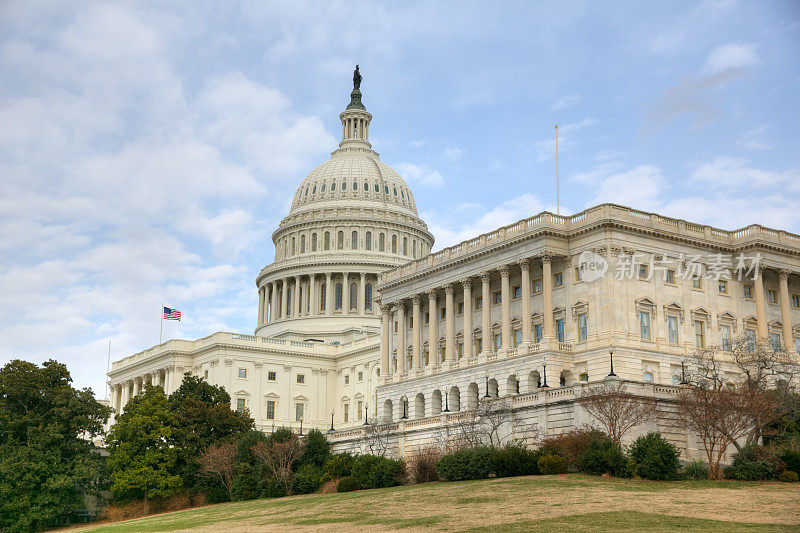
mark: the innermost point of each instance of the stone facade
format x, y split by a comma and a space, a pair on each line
356, 317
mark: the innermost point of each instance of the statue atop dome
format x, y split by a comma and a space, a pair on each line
355, 96
356, 79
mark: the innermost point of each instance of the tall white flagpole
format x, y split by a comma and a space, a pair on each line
558, 203
161, 331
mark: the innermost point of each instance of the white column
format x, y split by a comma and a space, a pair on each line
433, 334
486, 312
125, 395
328, 294
786, 314
416, 330
525, 267
260, 305
312, 295
273, 312
449, 324
385, 332
362, 293
467, 283
345, 294
505, 306
761, 310
284, 296
137, 386
401, 336
547, 296
296, 304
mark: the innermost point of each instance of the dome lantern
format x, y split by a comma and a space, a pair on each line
355, 118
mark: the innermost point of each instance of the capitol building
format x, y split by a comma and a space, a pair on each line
359, 320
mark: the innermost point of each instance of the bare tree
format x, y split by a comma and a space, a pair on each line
491, 423
219, 462
377, 435
279, 457
616, 410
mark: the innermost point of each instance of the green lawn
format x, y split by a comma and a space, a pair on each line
560, 503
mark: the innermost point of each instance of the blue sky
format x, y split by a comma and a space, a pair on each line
148, 151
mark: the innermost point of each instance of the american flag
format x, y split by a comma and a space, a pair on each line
171, 314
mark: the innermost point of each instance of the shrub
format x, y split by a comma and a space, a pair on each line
515, 460
697, 469
654, 457
789, 476
570, 445
422, 465
373, 471
246, 482
469, 463
337, 466
604, 456
309, 479
347, 484
753, 463
317, 450
552, 464
791, 459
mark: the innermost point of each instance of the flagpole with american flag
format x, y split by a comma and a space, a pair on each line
169, 314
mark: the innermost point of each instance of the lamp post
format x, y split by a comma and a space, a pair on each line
332, 430
683, 370
301, 425
446, 398
366, 414
544, 366
487, 385
404, 399
611, 353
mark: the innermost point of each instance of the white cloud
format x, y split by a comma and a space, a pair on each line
566, 101
640, 187
727, 171
453, 153
731, 56
419, 174
753, 139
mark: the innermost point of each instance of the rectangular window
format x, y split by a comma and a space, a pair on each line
748, 292
560, 329
460, 308
360, 409
775, 341
699, 334
205, 374
669, 276
478, 302
725, 335
578, 274
427, 318
497, 297
478, 345
750, 336
697, 282
643, 272
647, 376
537, 333
346, 412
723, 286
460, 349
672, 329
347, 379
411, 322
772, 296
584, 377
644, 325
516, 291
676, 379
360, 377
517, 337
270, 409
795, 301
301, 378
242, 372
272, 375
797, 344
240, 405
498, 342
443, 313
582, 329
558, 279
537, 285
299, 411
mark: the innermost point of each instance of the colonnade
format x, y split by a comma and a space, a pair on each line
307, 295
122, 392
398, 310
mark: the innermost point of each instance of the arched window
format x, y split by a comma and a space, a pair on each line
313, 242
395, 191
327, 240
306, 194
285, 248
355, 186
368, 296
386, 189
344, 185
381, 242
414, 248
289, 301
302, 244
333, 186
354, 241
405, 245
323, 188
323, 293
394, 244
338, 297
377, 188
340, 241
353, 296
368, 241
294, 251
314, 190
366, 187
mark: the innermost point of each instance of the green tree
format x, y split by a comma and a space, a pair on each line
141, 459
47, 462
202, 417
318, 449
